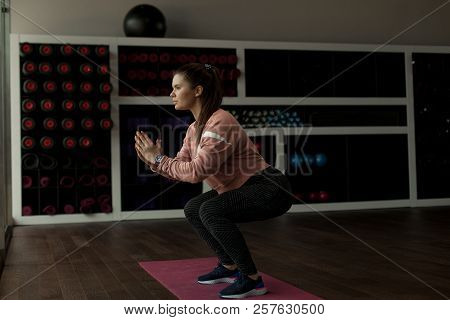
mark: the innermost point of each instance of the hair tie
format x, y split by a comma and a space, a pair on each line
208, 67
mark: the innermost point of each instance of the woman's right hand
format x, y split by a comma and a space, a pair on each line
140, 155
150, 165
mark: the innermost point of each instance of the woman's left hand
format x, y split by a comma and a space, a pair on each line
146, 148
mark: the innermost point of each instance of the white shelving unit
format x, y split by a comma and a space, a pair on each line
241, 99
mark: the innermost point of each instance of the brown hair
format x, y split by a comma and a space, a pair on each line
206, 76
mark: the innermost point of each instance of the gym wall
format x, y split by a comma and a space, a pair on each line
345, 21
348, 153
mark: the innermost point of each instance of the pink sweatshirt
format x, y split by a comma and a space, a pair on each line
225, 159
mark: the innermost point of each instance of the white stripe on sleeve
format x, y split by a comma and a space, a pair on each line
210, 134
214, 135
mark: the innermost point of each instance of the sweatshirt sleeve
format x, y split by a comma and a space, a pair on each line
216, 146
184, 153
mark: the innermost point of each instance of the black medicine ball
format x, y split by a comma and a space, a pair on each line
144, 21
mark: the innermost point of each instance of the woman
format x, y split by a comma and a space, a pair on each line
244, 187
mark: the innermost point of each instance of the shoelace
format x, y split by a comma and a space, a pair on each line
219, 269
240, 280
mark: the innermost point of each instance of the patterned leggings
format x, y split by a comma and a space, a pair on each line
214, 216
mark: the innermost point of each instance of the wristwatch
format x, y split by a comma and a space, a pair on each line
158, 158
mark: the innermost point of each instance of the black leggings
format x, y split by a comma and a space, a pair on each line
263, 196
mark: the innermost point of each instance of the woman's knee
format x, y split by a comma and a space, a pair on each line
191, 209
207, 211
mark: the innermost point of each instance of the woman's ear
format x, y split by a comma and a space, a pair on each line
198, 90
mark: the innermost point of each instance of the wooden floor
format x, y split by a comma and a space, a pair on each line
304, 249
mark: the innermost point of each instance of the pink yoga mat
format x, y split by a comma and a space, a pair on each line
180, 278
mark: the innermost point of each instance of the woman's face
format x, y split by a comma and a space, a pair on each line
183, 96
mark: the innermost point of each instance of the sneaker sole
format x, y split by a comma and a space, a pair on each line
254, 292
215, 281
